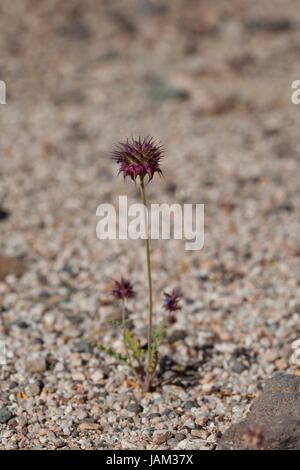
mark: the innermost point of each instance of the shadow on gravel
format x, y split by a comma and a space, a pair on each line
185, 376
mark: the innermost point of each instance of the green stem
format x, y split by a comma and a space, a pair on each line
123, 310
149, 273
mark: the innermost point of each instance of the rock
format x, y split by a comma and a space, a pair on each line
78, 376
195, 444
270, 356
274, 419
4, 214
97, 376
87, 426
162, 91
200, 433
134, 408
189, 424
11, 265
190, 404
55, 441
201, 420
5, 415
296, 344
44, 295
36, 365
34, 389
74, 31
177, 335
203, 275
238, 367
159, 437
281, 364
13, 384
225, 336
179, 436
276, 25
153, 416
84, 347
151, 7
20, 324
126, 445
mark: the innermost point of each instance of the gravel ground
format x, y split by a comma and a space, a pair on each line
212, 81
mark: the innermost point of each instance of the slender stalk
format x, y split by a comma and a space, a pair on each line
123, 310
149, 272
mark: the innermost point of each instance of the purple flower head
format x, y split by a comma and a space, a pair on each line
122, 289
139, 158
171, 300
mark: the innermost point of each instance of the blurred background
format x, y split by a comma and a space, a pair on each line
212, 80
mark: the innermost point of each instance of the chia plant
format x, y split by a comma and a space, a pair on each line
140, 160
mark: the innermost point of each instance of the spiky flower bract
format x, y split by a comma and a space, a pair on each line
139, 157
171, 302
122, 289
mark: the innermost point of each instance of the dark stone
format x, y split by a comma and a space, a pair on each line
153, 415
280, 25
177, 335
179, 436
69, 269
285, 207
44, 295
13, 423
162, 91
87, 420
22, 324
167, 411
102, 445
38, 341
238, 367
84, 347
118, 430
75, 319
124, 22
151, 7
274, 416
74, 31
203, 275
134, 408
171, 188
13, 384
190, 404
5, 415
108, 55
4, 214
